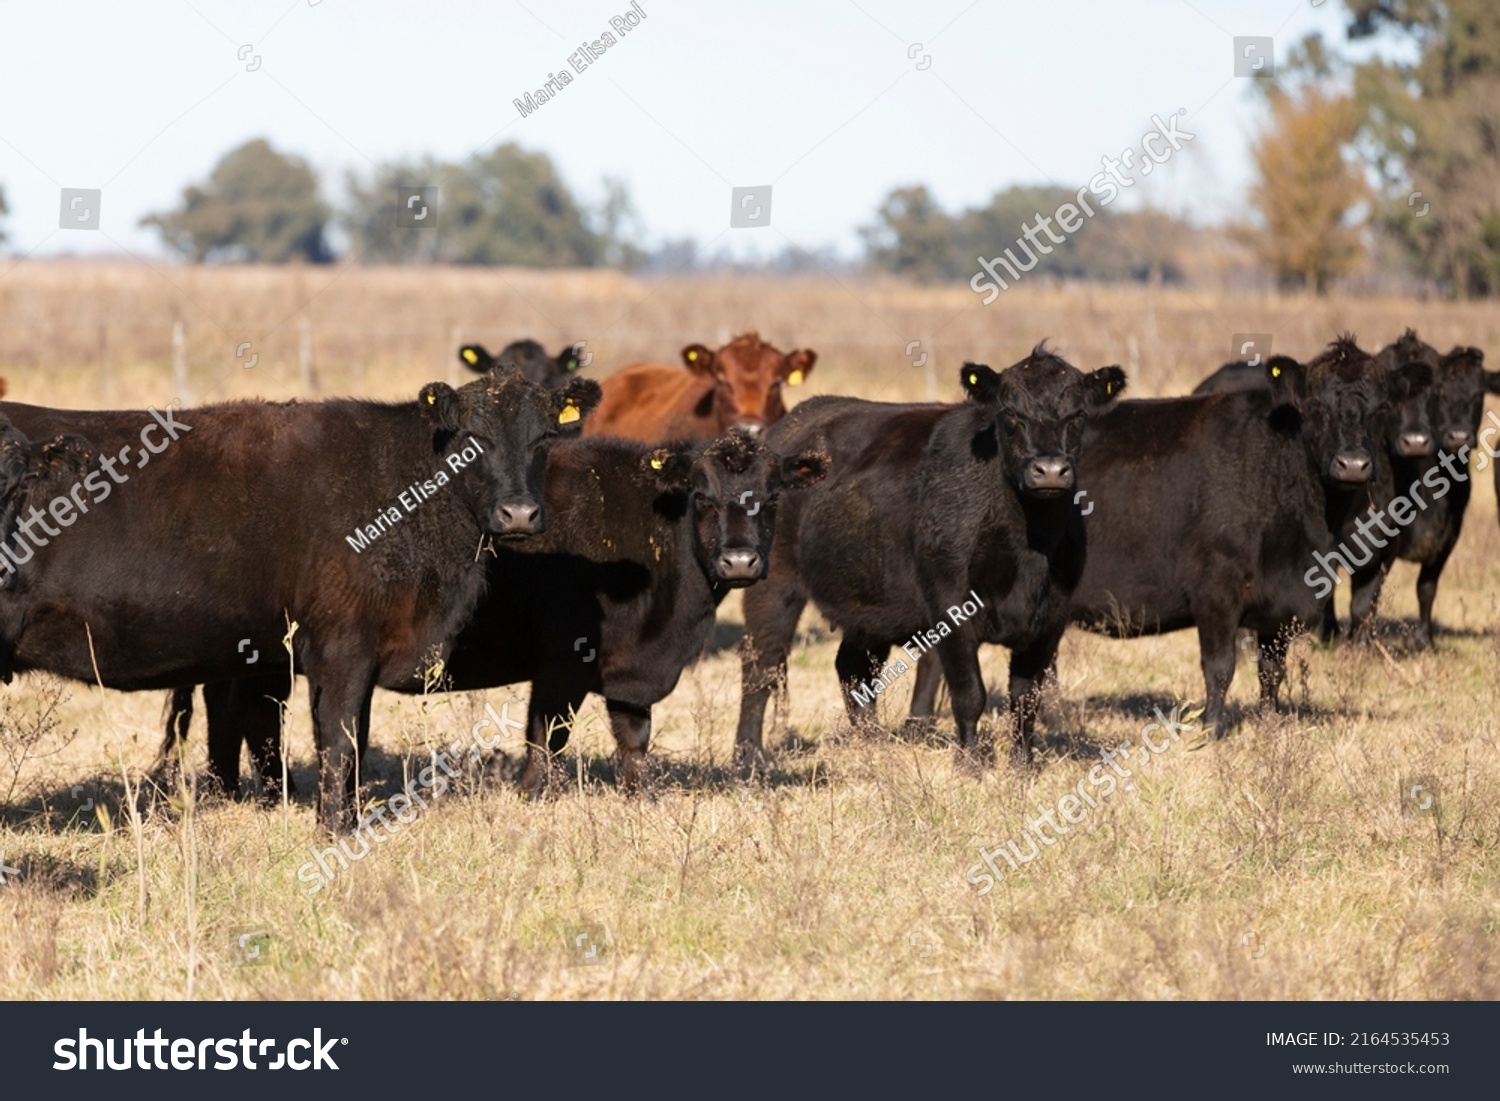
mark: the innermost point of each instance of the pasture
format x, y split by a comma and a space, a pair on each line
1287, 861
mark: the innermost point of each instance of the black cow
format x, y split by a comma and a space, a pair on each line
944, 526
25, 466
1217, 511
618, 597
528, 357
357, 521
1446, 422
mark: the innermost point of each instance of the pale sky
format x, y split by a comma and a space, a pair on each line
815, 97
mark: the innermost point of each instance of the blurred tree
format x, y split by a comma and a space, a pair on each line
507, 207
1308, 190
913, 237
258, 205
1432, 126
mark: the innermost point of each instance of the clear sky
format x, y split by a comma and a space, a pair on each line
817, 97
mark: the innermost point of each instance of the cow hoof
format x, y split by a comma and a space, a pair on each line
919, 729
971, 760
751, 760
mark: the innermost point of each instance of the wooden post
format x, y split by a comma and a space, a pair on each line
179, 363
305, 358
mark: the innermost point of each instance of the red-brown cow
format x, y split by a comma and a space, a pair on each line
739, 385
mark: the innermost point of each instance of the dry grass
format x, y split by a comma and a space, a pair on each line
1278, 863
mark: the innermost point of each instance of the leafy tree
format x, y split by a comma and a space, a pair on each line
1308, 191
1433, 125
912, 236
258, 205
507, 207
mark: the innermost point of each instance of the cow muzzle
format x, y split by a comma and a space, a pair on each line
518, 518
1414, 445
1048, 476
741, 566
1456, 438
1351, 467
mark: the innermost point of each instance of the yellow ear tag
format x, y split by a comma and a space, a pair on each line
1275, 372
692, 356
973, 380
569, 414
794, 379
431, 399
656, 464
470, 355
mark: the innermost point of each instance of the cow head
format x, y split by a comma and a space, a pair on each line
747, 375
514, 422
29, 472
1039, 406
732, 486
1455, 401
526, 356
1345, 399
1413, 433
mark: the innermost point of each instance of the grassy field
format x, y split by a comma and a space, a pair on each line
1283, 862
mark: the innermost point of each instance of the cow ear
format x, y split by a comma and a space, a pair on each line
475, 358
799, 365
1287, 379
699, 360
801, 471
671, 466
575, 400
981, 383
1492, 382
569, 359
1103, 386
1407, 381
439, 403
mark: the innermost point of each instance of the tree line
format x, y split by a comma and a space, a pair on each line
1383, 166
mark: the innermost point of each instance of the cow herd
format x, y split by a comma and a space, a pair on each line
535, 526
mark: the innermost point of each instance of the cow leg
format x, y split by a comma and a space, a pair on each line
772, 609
960, 658
859, 661
1216, 645
1271, 669
926, 681
179, 721
1328, 629
549, 722
632, 729
224, 735
1427, 583
257, 706
1363, 595
1028, 673
341, 730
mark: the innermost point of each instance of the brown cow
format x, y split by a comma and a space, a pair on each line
739, 385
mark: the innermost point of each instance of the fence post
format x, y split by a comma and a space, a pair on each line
179, 363
305, 358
